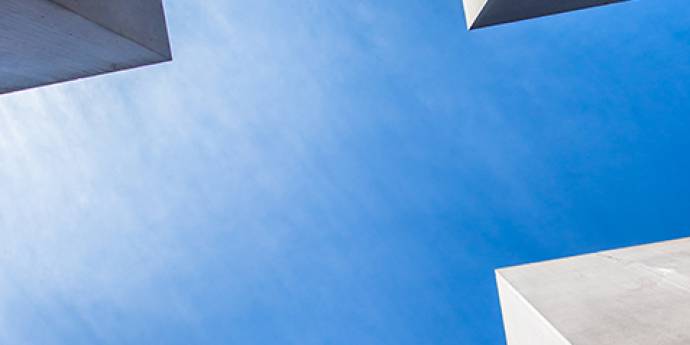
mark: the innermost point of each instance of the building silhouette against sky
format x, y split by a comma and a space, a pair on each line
49, 41
637, 295
482, 13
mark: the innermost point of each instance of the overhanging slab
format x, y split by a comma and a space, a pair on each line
638, 295
482, 13
50, 41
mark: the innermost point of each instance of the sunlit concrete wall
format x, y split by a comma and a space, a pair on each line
49, 41
481, 13
633, 296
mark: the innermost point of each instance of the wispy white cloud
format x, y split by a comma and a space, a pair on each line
113, 185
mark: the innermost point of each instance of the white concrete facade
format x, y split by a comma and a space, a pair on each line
482, 13
49, 41
633, 296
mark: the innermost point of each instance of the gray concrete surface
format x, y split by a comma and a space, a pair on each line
482, 13
633, 296
50, 41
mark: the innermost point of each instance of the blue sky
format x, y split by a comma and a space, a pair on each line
337, 172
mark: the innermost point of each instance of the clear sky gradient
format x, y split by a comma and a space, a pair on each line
337, 172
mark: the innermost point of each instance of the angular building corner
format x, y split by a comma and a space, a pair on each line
45, 42
636, 295
523, 324
483, 13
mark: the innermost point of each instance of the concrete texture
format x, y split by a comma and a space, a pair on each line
49, 41
482, 13
633, 296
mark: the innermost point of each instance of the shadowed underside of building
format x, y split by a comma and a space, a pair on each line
50, 41
482, 13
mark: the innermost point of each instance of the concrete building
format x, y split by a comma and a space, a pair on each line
481, 13
49, 41
633, 296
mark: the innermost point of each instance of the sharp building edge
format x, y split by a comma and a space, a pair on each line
636, 295
483, 13
45, 42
